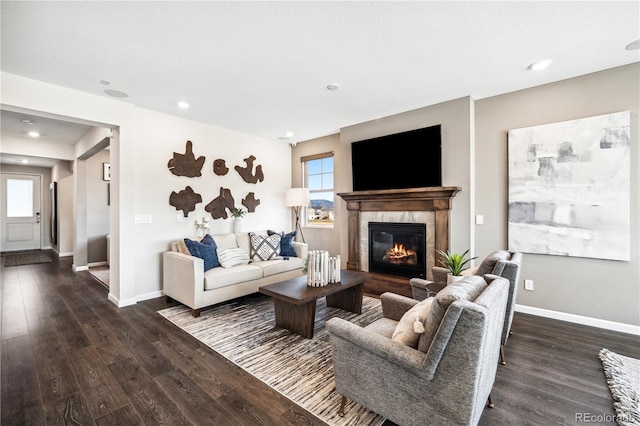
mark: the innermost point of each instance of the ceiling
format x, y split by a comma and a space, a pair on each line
263, 67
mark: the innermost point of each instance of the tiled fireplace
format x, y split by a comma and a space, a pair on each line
427, 207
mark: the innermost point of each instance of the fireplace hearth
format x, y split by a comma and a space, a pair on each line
397, 249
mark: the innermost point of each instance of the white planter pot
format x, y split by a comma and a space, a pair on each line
237, 224
453, 278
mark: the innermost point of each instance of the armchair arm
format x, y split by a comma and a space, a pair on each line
439, 274
394, 306
183, 278
349, 339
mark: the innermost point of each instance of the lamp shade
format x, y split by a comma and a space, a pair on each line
295, 197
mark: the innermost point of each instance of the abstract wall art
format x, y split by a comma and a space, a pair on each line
569, 188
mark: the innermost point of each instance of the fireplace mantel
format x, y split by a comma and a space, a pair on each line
436, 199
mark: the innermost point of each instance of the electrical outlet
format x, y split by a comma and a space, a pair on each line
179, 217
528, 285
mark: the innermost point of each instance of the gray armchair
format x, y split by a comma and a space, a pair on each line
502, 263
447, 378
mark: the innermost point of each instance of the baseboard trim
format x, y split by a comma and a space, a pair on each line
65, 254
579, 319
76, 268
147, 296
94, 264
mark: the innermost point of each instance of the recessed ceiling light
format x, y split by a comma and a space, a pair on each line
182, 104
634, 45
27, 122
34, 134
540, 65
333, 86
116, 93
286, 136
105, 82
24, 161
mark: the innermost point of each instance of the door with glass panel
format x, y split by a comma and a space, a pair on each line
21, 214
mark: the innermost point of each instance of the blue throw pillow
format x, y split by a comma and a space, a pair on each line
286, 243
205, 250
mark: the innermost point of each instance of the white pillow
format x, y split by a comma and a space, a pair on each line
405, 331
264, 247
232, 257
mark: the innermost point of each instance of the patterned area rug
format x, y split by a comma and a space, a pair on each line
623, 378
26, 258
301, 369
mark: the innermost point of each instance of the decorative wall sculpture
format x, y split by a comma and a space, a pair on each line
247, 172
186, 164
220, 167
185, 200
219, 205
250, 202
569, 186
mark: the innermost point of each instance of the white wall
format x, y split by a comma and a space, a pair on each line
97, 209
142, 144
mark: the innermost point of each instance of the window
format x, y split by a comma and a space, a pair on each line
318, 177
19, 198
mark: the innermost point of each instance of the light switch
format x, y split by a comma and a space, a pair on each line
479, 219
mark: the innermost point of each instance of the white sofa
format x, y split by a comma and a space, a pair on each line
185, 280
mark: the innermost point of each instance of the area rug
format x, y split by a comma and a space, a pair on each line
244, 332
623, 378
26, 258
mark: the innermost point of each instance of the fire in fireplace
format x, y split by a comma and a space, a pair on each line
398, 249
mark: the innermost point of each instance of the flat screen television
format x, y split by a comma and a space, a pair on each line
403, 160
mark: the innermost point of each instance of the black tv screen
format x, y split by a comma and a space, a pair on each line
403, 160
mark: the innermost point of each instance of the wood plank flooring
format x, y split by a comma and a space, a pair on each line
70, 357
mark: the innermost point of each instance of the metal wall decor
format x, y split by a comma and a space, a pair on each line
186, 164
250, 202
220, 167
247, 172
185, 200
219, 205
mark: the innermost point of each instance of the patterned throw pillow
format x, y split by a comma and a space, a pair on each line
205, 250
286, 243
232, 257
264, 247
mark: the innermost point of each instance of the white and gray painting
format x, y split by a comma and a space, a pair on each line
569, 188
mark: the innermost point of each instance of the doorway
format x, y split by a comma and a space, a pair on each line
21, 227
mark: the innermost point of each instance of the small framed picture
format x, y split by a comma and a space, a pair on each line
106, 171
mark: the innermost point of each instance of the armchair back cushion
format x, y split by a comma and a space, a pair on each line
466, 289
489, 263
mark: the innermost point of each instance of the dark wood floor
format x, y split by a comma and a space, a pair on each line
71, 357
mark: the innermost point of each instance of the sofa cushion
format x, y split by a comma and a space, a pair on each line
264, 247
466, 289
205, 251
232, 257
489, 262
383, 326
278, 265
181, 247
223, 277
286, 243
405, 331
226, 241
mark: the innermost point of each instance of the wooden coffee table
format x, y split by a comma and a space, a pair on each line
295, 302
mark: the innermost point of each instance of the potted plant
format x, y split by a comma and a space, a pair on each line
238, 214
455, 263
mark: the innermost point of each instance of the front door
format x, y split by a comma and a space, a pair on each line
21, 214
